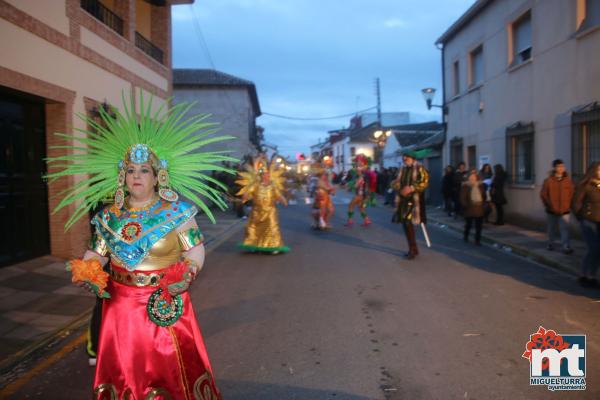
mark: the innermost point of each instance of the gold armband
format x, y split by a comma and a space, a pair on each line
98, 245
190, 238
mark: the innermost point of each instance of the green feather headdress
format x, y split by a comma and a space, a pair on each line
176, 140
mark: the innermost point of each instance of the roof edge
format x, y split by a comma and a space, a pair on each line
463, 21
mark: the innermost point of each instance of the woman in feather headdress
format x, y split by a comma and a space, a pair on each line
263, 184
150, 345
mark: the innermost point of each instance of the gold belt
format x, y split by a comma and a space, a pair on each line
138, 279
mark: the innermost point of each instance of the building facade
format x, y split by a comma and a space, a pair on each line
521, 88
232, 102
66, 57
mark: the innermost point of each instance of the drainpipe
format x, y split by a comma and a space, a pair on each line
442, 48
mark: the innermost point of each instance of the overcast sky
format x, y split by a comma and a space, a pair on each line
319, 58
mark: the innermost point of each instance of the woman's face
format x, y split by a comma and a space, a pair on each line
473, 178
598, 172
140, 181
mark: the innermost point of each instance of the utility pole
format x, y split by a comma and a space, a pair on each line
378, 94
378, 151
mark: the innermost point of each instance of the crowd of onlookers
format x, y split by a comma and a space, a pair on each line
475, 194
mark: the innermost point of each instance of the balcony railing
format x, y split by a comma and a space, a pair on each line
148, 47
103, 14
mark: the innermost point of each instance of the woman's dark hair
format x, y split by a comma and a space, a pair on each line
498, 169
590, 173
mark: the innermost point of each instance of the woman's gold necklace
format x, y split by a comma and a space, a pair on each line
144, 206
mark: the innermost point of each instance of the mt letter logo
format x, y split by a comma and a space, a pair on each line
556, 361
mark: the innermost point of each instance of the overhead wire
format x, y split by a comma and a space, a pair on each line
206, 50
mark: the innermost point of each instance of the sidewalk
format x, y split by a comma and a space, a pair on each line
38, 300
527, 243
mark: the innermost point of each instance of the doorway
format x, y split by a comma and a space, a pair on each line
24, 231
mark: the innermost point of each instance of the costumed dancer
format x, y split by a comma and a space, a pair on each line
360, 187
150, 345
323, 205
410, 184
263, 184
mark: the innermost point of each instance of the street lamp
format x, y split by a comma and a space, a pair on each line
428, 95
381, 138
382, 134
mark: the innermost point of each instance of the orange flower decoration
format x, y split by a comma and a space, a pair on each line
545, 339
89, 271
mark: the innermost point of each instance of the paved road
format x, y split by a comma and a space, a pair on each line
343, 316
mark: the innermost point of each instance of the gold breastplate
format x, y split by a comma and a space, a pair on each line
164, 253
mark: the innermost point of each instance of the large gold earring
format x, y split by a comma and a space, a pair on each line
120, 193
164, 191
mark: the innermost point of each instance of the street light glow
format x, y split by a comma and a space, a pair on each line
388, 133
377, 134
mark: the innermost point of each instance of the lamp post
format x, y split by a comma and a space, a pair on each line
428, 95
380, 137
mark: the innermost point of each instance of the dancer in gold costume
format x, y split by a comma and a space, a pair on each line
263, 184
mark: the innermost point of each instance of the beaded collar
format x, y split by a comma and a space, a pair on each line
131, 233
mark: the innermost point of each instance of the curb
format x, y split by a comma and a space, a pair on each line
12, 361
518, 250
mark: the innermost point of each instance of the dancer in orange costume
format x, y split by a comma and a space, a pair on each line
323, 206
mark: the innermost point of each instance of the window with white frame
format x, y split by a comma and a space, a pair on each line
476, 66
520, 164
521, 43
455, 78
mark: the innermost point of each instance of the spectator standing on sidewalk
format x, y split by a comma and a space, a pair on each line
586, 206
447, 191
486, 175
472, 198
459, 177
556, 194
497, 193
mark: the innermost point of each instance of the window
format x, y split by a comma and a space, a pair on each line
585, 138
476, 67
104, 14
456, 151
520, 35
472, 156
352, 151
520, 153
455, 78
588, 14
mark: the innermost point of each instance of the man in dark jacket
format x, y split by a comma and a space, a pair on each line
556, 194
410, 184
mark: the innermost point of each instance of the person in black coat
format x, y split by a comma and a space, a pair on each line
447, 189
497, 193
459, 177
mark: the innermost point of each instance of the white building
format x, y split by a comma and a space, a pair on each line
522, 85
404, 136
231, 101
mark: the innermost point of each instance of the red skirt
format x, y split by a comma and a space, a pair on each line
138, 359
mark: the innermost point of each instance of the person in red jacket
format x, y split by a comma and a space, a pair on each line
556, 194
